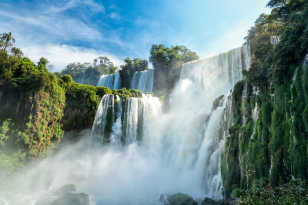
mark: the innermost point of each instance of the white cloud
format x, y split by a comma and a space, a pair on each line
114, 15
66, 28
37, 33
95, 7
61, 55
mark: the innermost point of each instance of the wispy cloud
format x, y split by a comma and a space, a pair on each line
77, 27
56, 26
62, 55
39, 33
114, 15
76, 3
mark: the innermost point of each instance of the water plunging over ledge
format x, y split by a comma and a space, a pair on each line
138, 152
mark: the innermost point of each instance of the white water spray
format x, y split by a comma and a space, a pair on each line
150, 152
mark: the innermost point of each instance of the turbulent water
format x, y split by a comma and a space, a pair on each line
112, 81
143, 80
137, 152
179, 150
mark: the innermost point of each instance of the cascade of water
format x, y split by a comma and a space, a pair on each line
164, 153
111, 81
187, 139
196, 146
104, 114
116, 133
131, 119
208, 163
128, 120
246, 50
143, 80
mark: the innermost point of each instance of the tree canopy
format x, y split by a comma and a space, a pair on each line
89, 73
165, 56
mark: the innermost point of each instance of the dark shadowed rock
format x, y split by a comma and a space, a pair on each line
208, 201
72, 199
180, 199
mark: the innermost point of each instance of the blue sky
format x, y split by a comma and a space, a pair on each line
67, 31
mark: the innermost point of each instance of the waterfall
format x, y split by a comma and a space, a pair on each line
131, 120
118, 121
143, 80
140, 152
111, 81
246, 54
116, 133
188, 140
103, 119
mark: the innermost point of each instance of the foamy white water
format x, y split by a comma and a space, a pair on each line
150, 152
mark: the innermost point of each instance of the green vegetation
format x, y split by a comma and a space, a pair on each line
127, 93
37, 106
273, 147
129, 68
87, 73
167, 63
32, 102
293, 192
81, 105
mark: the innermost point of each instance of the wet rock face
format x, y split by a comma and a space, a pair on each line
180, 199
65, 195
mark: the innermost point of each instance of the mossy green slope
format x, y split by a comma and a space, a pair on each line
268, 141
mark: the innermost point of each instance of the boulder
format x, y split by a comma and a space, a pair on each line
72, 199
208, 201
180, 199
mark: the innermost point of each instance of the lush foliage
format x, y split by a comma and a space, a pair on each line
129, 68
167, 63
87, 73
168, 57
127, 93
293, 192
268, 139
32, 101
279, 42
81, 104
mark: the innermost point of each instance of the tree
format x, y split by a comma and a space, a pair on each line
136, 64
161, 55
16, 52
43, 61
129, 68
167, 63
87, 73
276, 3
6, 40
